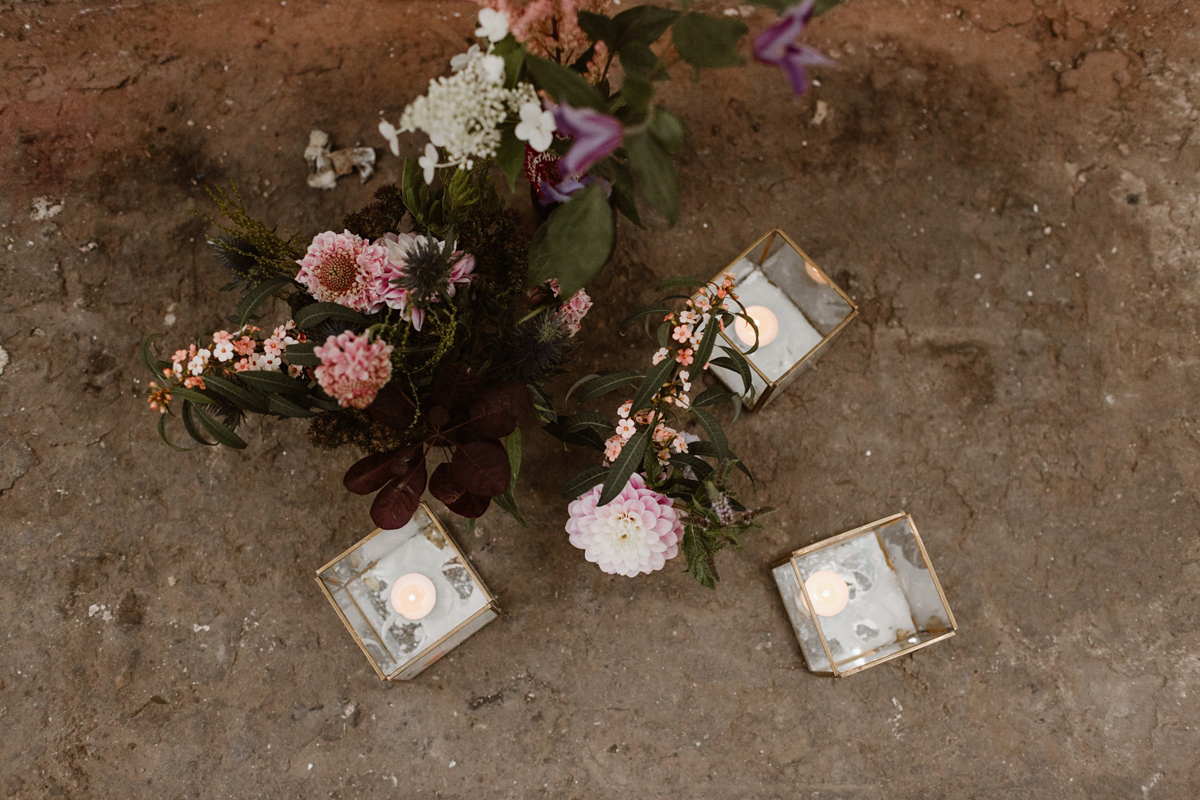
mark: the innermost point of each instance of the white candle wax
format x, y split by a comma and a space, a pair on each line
764, 319
413, 595
828, 592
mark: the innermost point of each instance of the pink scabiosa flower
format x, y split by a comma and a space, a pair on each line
636, 533
345, 269
353, 368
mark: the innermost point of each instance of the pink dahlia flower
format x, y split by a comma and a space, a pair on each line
345, 269
353, 368
637, 532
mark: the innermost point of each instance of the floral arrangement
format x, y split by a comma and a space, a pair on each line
563, 94
431, 326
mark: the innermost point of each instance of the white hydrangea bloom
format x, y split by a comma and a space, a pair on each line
493, 25
461, 113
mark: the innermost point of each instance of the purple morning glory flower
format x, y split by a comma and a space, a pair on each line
777, 45
550, 193
596, 136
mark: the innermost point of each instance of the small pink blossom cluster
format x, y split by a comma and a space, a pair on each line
348, 270
353, 368
666, 439
571, 313
550, 28
238, 351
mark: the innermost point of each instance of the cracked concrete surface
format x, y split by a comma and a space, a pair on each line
1008, 188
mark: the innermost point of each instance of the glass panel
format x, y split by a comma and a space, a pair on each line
806, 632
368, 572
418, 665
877, 614
914, 576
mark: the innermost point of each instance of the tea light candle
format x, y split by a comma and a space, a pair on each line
828, 592
765, 319
413, 595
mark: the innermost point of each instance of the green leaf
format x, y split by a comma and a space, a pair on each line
741, 366
162, 433
508, 500
302, 355
607, 383
598, 27
655, 173
710, 397
713, 429
697, 556
645, 311
704, 350
240, 397
667, 130
286, 408
701, 467
510, 156
508, 503
624, 466
219, 431
624, 194
639, 59
579, 383
412, 182
575, 243
588, 419
636, 93
514, 57
149, 361
654, 381
564, 84
704, 448
643, 25
682, 280
823, 5
192, 395
708, 42
271, 381
256, 297
583, 481
316, 313
189, 425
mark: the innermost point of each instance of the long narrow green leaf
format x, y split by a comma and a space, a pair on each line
316, 313
742, 366
710, 397
508, 500
645, 311
271, 381
588, 419
704, 448
698, 465
713, 429
256, 297
302, 355
583, 481
607, 383
704, 351
193, 395
250, 401
151, 363
579, 383
681, 280
162, 432
286, 408
624, 466
654, 381
508, 503
189, 425
219, 431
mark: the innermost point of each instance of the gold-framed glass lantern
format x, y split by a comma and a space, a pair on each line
407, 596
864, 597
797, 309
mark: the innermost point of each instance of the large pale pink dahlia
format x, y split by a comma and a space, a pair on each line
637, 532
345, 269
353, 368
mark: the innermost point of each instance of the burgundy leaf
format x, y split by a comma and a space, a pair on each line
470, 505
393, 407
454, 387
481, 468
503, 406
396, 502
369, 474
438, 417
442, 487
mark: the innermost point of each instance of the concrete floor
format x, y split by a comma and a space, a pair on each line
1008, 187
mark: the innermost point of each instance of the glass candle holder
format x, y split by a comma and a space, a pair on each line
798, 311
407, 596
864, 597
